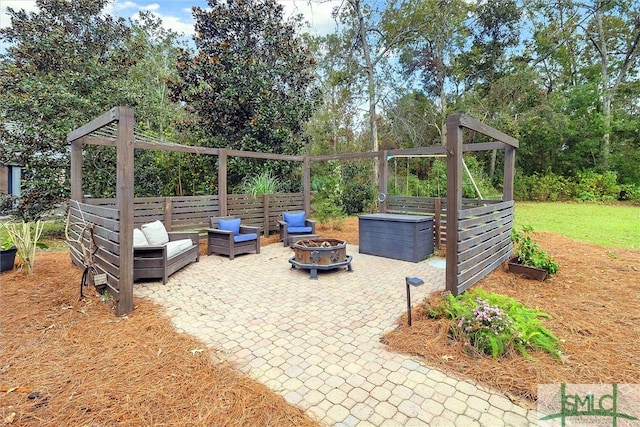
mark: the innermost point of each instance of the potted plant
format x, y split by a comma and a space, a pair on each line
530, 260
24, 236
7, 253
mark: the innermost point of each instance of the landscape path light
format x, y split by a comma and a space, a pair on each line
411, 281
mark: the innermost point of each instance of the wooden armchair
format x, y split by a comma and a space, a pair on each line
294, 225
228, 237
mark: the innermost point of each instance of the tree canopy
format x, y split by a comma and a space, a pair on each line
250, 84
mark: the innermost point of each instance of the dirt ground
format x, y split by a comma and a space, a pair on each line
69, 362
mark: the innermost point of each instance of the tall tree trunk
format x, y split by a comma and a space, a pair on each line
607, 94
369, 68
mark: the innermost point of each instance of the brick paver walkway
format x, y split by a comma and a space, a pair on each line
317, 341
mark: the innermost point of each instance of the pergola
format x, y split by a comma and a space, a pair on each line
478, 238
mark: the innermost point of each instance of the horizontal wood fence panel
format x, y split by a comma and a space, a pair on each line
471, 223
104, 218
480, 211
185, 210
495, 244
486, 233
89, 217
467, 234
483, 242
466, 280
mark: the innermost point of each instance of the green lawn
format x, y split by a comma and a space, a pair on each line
605, 225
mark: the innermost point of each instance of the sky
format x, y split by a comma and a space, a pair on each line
176, 14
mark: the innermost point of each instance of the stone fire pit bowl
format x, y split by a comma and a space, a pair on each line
320, 254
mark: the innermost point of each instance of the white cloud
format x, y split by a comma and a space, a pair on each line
318, 15
28, 5
174, 23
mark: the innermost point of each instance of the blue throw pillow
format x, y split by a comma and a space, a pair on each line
230, 225
294, 219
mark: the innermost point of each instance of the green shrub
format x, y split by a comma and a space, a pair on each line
629, 192
597, 187
494, 324
265, 183
356, 197
325, 211
542, 188
529, 252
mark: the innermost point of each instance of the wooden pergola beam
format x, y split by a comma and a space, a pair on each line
95, 124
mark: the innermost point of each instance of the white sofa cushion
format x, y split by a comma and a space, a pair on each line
176, 247
155, 233
138, 238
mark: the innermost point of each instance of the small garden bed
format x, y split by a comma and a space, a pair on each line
595, 313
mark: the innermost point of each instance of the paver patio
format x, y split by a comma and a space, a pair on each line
316, 342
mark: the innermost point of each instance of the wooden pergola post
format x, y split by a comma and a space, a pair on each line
222, 180
383, 177
76, 170
454, 199
306, 184
509, 172
124, 203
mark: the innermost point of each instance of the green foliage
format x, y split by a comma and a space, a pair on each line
265, 183
596, 187
24, 237
326, 212
529, 252
250, 86
494, 324
629, 192
76, 69
5, 241
357, 191
545, 187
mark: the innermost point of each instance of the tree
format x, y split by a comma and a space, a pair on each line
368, 43
64, 66
590, 42
495, 31
250, 85
431, 52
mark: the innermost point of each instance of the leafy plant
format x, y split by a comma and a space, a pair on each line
265, 183
326, 212
24, 236
529, 253
6, 242
493, 324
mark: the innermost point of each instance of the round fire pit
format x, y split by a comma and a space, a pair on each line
320, 254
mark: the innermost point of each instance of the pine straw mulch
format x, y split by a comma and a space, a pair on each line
70, 362
595, 303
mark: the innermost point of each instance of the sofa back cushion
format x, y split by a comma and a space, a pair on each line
296, 219
155, 233
138, 238
230, 225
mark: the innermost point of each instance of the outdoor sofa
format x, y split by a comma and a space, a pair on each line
157, 254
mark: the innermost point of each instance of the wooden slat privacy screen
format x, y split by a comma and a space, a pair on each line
181, 213
106, 235
484, 241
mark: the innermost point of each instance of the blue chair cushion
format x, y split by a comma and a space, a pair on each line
294, 219
245, 237
299, 229
230, 225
